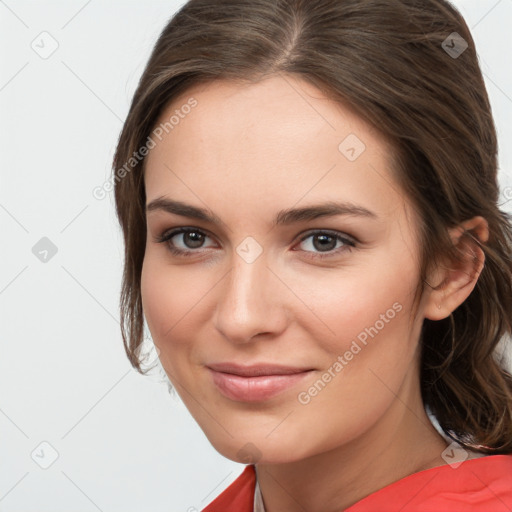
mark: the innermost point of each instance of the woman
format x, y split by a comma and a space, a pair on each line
309, 200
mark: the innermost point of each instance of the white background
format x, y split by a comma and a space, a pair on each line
124, 443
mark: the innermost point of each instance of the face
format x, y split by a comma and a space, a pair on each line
283, 313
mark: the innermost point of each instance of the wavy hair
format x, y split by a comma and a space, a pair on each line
399, 64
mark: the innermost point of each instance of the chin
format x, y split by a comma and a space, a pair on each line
260, 449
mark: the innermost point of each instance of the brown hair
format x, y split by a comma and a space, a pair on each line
389, 60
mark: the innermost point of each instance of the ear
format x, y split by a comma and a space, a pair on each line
452, 285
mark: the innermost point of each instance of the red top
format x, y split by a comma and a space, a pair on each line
478, 485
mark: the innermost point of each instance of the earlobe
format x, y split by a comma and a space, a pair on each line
453, 284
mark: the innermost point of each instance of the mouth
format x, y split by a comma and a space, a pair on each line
255, 383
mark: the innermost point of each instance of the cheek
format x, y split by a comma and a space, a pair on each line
339, 306
375, 345
171, 301
365, 365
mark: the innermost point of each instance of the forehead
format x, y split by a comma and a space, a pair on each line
283, 105
281, 134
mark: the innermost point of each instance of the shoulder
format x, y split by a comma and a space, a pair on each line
482, 484
239, 496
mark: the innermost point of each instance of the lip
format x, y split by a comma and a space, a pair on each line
255, 383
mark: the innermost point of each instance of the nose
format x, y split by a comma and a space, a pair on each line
250, 301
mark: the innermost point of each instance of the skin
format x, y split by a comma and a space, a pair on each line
245, 152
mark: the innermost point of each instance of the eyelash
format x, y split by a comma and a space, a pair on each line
350, 243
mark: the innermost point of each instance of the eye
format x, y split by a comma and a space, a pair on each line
328, 243
186, 240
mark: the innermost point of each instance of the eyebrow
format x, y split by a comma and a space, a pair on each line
283, 217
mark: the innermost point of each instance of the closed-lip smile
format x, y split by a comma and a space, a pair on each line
256, 382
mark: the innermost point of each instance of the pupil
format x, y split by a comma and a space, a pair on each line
195, 238
323, 245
